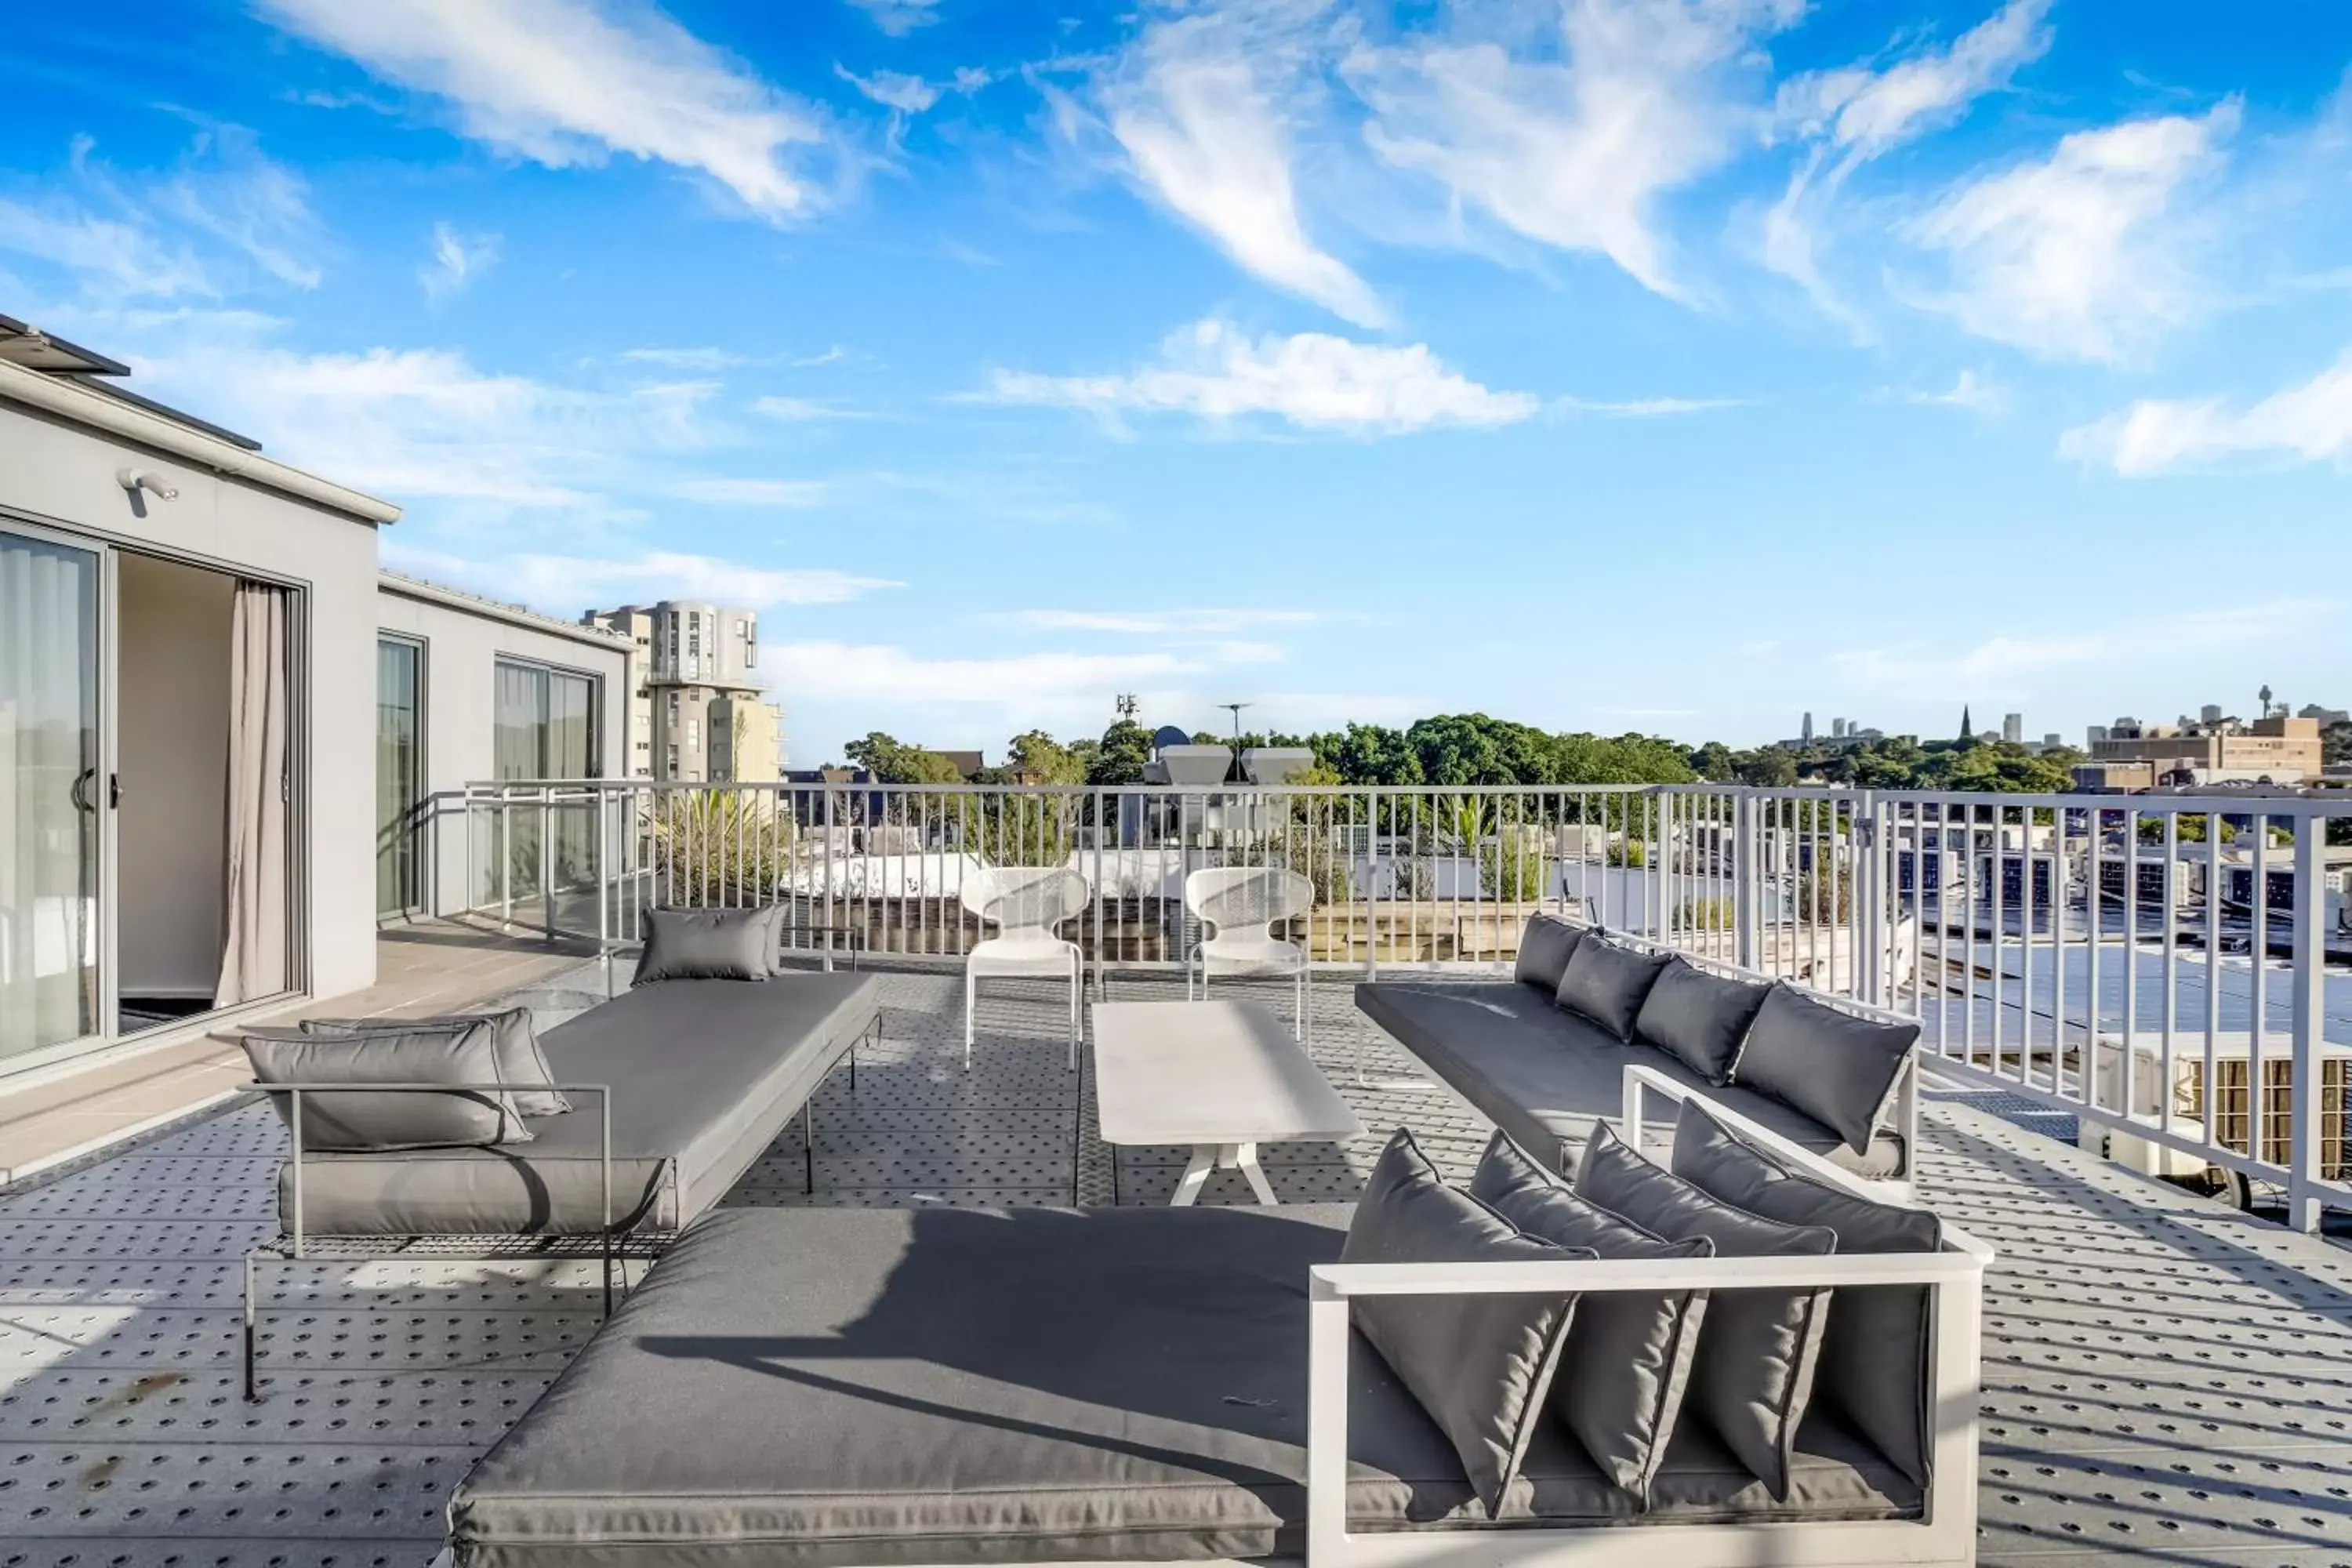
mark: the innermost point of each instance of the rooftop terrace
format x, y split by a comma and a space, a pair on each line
2165, 1379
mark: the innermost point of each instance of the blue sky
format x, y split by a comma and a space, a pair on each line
1673, 366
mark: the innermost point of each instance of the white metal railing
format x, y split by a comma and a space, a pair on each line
2162, 967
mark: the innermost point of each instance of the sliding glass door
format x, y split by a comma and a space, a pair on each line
399, 774
546, 730
53, 790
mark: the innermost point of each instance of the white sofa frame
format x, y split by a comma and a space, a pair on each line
1945, 1535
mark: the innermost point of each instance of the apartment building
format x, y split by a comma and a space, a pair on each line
696, 712
2279, 749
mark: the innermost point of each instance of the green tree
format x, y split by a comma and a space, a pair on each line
1037, 756
1713, 763
1118, 757
1370, 754
1773, 767
892, 760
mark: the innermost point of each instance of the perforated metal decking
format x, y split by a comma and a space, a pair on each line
2166, 1381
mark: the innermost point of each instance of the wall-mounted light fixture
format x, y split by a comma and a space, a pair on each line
137, 480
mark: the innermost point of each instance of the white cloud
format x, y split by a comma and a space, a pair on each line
1213, 370
899, 17
879, 672
1203, 622
1869, 113
457, 260
2079, 255
569, 82
1197, 104
893, 89
1969, 390
2006, 665
229, 189
1854, 114
758, 492
1648, 407
2309, 423
568, 585
1574, 146
117, 256
793, 410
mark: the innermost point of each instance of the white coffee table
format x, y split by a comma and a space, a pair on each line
1222, 1077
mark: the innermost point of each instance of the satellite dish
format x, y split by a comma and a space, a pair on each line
1170, 735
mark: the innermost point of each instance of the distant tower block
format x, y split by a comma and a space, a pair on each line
1805, 732
2012, 728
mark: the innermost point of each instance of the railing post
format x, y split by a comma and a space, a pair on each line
1745, 892
2309, 1023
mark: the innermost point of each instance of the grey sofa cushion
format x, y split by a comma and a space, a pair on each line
839, 1388
1839, 1069
1544, 947
1480, 1365
1545, 1075
1873, 1361
1758, 1349
521, 1062
464, 1053
1627, 1362
708, 944
1607, 982
704, 1075
1701, 1018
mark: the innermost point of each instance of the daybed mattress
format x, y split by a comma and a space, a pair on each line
822, 1387
1545, 1075
704, 1075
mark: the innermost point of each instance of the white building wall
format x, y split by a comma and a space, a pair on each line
61, 475
464, 639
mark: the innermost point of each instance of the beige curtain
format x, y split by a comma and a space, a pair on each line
253, 955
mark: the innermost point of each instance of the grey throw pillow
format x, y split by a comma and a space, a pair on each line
1627, 1363
1607, 982
1478, 1365
708, 944
1839, 1069
521, 1061
1544, 947
1874, 1365
1758, 1349
361, 1122
1699, 1018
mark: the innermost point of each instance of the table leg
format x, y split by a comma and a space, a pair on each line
1205, 1160
1245, 1161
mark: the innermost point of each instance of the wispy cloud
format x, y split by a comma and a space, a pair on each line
1857, 113
893, 89
1201, 621
568, 83
899, 17
2308, 423
1968, 390
794, 410
1647, 408
227, 188
568, 585
1573, 143
787, 493
2008, 664
1213, 370
881, 672
457, 260
115, 256
1197, 105
2081, 255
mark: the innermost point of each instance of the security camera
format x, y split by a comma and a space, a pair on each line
137, 480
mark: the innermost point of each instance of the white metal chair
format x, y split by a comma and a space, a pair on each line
1028, 904
1238, 906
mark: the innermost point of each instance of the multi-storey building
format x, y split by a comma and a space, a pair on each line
697, 712
2274, 750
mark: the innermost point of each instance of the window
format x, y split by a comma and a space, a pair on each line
694, 734
546, 723
399, 772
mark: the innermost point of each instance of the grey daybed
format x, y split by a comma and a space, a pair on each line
833, 1388
1545, 1073
703, 1075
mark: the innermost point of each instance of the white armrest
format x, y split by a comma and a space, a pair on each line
1641, 1081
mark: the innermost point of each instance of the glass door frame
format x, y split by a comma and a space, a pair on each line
421, 770
108, 549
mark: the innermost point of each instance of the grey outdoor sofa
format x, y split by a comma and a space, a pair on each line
826, 1388
678, 1086
1545, 1074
